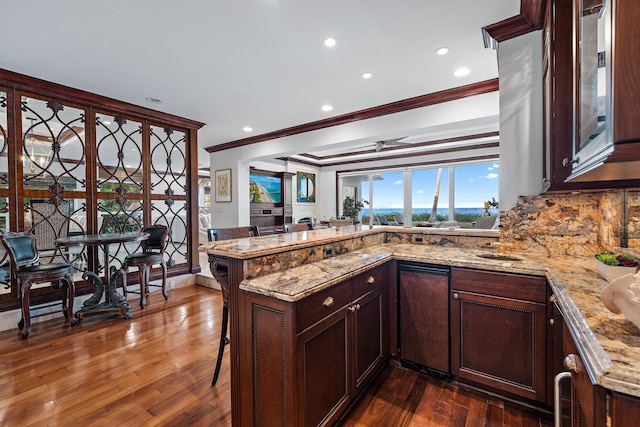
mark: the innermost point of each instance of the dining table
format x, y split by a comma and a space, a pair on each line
113, 301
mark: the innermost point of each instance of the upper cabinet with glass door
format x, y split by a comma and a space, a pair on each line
606, 143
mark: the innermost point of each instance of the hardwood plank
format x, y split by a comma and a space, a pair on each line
155, 370
477, 415
495, 416
512, 417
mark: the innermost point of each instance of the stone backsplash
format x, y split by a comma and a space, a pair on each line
576, 224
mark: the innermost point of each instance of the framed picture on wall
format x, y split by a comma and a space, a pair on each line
223, 185
306, 187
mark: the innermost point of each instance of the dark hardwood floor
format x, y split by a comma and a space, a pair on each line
156, 368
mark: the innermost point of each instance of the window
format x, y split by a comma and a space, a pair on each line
460, 193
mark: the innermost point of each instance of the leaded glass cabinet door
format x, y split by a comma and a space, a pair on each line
120, 169
52, 175
5, 282
168, 175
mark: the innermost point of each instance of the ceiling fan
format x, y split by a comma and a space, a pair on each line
386, 142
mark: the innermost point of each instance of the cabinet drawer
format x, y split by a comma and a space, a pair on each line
364, 282
528, 288
313, 308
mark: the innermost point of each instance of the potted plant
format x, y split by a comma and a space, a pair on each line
351, 207
613, 265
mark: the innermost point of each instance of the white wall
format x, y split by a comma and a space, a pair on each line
472, 114
520, 70
303, 210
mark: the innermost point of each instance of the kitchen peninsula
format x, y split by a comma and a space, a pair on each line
273, 277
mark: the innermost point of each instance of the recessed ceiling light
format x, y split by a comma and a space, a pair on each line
153, 100
329, 42
460, 72
442, 50
367, 75
327, 107
247, 129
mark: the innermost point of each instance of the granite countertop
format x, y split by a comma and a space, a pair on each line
609, 344
267, 245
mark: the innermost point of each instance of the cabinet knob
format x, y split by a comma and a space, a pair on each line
456, 295
328, 302
371, 280
352, 308
566, 162
552, 322
572, 363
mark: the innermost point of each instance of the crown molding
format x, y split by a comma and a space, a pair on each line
420, 101
531, 18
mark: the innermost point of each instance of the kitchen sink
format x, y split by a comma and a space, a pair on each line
500, 257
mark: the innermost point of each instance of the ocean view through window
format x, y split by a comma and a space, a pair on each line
467, 191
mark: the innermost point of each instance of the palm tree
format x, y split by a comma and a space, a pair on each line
434, 209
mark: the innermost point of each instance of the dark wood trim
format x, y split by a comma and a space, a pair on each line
413, 145
299, 161
530, 19
398, 156
66, 93
405, 156
420, 101
488, 157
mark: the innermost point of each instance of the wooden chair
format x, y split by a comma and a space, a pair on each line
216, 234
382, 220
49, 221
152, 253
398, 220
292, 228
26, 270
340, 222
220, 273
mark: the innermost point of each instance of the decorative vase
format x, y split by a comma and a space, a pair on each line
611, 272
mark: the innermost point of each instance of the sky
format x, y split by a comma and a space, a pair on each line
474, 185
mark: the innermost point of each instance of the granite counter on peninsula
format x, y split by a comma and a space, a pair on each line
608, 343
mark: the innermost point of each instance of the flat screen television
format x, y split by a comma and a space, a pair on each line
265, 189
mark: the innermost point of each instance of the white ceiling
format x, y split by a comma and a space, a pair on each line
258, 63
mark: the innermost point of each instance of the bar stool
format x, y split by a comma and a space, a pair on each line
152, 254
220, 271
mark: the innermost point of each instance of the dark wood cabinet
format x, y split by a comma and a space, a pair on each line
499, 333
625, 410
588, 401
306, 362
606, 87
337, 357
423, 300
591, 84
323, 369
